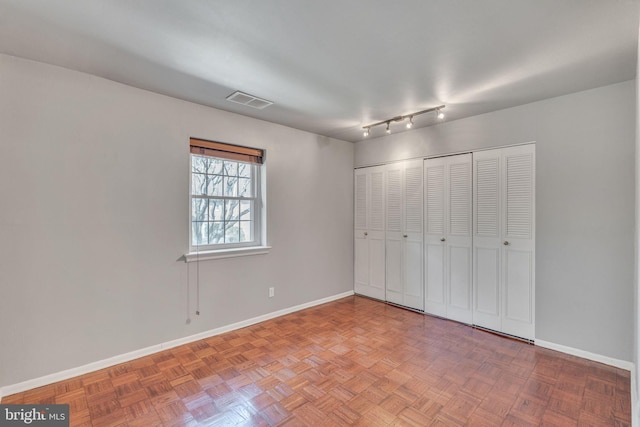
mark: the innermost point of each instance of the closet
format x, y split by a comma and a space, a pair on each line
447, 225
503, 240
404, 285
452, 236
369, 236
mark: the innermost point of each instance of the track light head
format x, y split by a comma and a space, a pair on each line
410, 124
439, 114
366, 132
388, 128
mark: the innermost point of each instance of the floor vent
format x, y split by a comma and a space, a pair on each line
249, 100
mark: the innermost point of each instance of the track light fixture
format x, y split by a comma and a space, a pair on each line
438, 110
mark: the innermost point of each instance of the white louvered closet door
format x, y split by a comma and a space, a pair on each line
394, 233
369, 232
518, 239
403, 181
361, 230
413, 237
458, 245
487, 247
434, 234
448, 227
503, 241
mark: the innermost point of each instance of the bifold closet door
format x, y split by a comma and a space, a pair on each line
369, 233
448, 261
404, 194
503, 241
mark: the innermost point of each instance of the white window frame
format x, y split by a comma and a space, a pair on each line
257, 245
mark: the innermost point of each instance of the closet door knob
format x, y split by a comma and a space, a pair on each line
366, 234
506, 243
404, 235
442, 239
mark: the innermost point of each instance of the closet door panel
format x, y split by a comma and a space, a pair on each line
413, 198
361, 270
459, 237
376, 221
435, 291
361, 203
394, 240
394, 270
413, 236
361, 250
376, 199
487, 282
459, 284
518, 240
394, 198
459, 197
434, 227
413, 296
377, 266
518, 289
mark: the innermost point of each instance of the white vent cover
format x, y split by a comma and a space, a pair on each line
250, 100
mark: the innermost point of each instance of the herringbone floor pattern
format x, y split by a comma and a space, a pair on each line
350, 362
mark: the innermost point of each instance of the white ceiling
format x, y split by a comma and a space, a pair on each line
333, 66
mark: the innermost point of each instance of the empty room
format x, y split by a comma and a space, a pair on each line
305, 213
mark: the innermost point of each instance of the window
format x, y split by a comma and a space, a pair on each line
225, 196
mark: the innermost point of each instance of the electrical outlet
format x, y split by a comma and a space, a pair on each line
271, 292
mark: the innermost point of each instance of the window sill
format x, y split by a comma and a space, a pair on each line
226, 253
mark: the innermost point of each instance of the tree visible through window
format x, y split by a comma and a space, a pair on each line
224, 202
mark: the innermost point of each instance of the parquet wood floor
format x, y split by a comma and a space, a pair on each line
350, 362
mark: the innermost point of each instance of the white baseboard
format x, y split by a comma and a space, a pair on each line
622, 364
115, 360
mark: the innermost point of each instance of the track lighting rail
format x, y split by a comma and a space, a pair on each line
439, 115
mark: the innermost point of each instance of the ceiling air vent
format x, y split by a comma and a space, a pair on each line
250, 100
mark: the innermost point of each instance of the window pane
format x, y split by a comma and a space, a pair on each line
232, 232
198, 184
231, 186
231, 168
214, 185
216, 210
198, 209
244, 170
216, 232
232, 210
246, 229
244, 185
199, 233
204, 164
197, 164
214, 166
245, 210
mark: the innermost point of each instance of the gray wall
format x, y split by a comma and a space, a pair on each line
584, 205
94, 217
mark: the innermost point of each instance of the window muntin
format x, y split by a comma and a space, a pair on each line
225, 207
